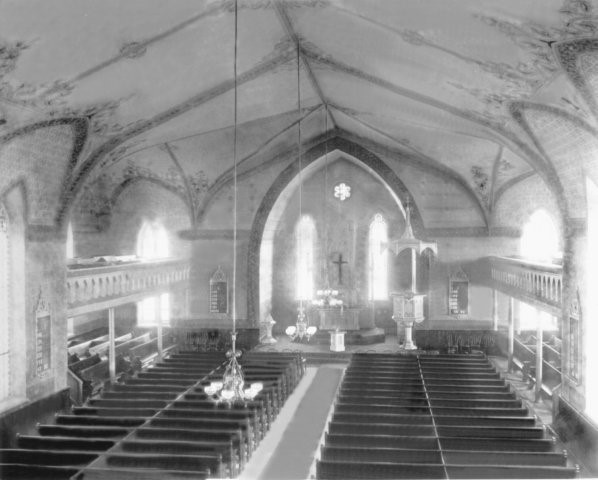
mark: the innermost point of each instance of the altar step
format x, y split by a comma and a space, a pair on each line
365, 336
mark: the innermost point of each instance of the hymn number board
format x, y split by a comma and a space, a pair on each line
218, 292
43, 334
458, 300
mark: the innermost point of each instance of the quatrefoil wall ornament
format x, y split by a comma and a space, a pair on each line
342, 191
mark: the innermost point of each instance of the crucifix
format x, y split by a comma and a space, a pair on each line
340, 263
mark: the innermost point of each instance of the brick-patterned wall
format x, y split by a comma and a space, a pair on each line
140, 201
514, 208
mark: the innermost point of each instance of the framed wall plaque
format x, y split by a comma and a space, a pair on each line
218, 292
458, 294
43, 337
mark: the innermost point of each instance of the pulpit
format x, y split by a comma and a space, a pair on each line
408, 309
335, 318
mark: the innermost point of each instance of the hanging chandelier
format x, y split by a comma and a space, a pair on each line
231, 389
301, 331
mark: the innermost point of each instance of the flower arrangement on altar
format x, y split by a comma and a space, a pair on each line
327, 298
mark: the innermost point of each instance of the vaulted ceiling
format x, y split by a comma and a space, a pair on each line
436, 79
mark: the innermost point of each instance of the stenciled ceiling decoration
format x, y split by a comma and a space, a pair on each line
434, 79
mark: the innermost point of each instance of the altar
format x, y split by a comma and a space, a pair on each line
334, 318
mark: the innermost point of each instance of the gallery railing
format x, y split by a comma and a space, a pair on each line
537, 283
94, 288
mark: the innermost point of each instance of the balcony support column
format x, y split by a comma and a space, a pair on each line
495, 309
159, 328
511, 334
111, 346
539, 360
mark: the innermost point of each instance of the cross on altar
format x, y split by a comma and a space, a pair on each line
340, 263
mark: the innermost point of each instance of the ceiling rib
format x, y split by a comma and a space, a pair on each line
76, 179
495, 166
185, 180
213, 9
288, 27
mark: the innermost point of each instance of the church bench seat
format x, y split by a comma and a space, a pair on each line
118, 473
506, 444
480, 457
26, 471
114, 411
395, 455
344, 470
87, 431
128, 421
509, 471
130, 403
380, 441
399, 408
64, 442
200, 424
47, 457
139, 395
203, 463
487, 403
336, 427
491, 432
253, 417
171, 382
127, 387
223, 448
348, 389
480, 411
382, 399
84, 363
235, 436
359, 416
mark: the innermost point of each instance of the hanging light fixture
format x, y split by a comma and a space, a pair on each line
232, 388
300, 331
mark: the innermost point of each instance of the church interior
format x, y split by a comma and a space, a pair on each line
298, 239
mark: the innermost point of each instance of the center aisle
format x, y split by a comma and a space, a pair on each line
288, 450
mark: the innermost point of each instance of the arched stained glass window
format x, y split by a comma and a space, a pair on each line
4, 306
305, 241
378, 259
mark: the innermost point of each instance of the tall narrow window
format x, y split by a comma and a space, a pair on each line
4, 307
590, 329
539, 243
305, 240
152, 244
540, 239
378, 264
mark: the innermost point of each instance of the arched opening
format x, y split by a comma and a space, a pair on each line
278, 209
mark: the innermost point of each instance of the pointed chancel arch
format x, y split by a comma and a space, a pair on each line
260, 249
378, 259
590, 329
